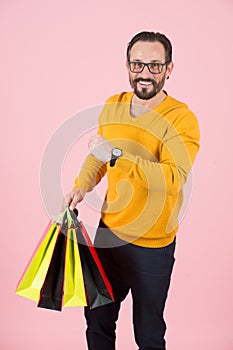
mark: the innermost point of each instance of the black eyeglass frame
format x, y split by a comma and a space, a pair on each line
147, 65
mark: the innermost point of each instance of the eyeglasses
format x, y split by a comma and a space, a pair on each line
154, 68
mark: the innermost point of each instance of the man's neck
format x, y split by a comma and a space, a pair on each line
139, 106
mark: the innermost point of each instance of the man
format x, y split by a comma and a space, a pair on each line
146, 143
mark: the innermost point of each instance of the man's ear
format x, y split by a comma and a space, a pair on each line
169, 69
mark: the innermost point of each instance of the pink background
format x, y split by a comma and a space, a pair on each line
43, 45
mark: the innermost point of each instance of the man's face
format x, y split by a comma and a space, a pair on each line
145, 84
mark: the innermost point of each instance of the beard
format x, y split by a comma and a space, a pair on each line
146, 93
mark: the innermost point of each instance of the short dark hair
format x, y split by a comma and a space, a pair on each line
152, 37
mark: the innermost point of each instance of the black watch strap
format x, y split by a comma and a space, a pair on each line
113, 161
116, 153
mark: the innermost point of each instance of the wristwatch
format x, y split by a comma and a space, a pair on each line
116, 153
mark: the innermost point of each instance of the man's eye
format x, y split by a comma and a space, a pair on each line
154, 65
138, 64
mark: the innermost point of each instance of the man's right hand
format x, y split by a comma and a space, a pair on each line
74, 197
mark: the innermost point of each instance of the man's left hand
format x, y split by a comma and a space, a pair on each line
100, 148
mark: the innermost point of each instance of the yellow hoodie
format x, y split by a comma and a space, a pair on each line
145, 187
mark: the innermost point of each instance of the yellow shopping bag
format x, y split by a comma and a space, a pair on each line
33, 278
74, 290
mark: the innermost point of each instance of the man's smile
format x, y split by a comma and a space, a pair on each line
145, 83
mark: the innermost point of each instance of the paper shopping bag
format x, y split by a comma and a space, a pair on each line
51, 293
32, 280
74, 288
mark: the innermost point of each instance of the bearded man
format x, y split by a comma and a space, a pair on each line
146, 144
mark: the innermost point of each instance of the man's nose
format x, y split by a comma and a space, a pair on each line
146, 72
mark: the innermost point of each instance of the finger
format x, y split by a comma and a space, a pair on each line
72, 205
95, 137
96, 140
92, 139
75, 201
93, 143
90, 146
68, 198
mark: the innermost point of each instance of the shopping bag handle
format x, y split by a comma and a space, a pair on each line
75, 210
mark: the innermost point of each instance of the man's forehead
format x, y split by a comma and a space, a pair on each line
144, 50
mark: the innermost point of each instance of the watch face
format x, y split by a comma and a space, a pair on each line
116, 152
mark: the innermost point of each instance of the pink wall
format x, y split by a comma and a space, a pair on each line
47, 54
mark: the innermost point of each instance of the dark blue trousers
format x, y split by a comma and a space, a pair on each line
144, 271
